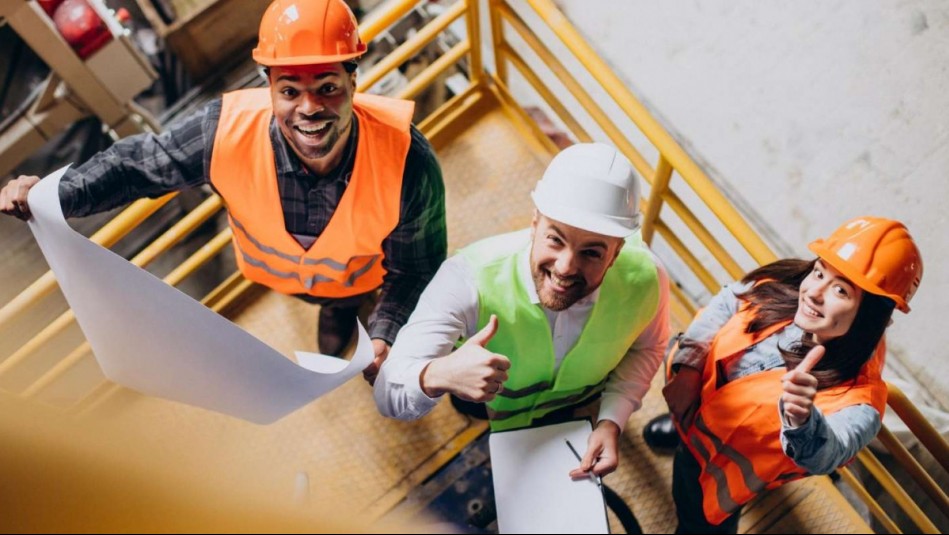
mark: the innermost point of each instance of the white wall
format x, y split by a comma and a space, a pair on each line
811, 113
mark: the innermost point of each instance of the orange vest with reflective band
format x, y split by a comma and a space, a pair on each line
346, 259
736, 437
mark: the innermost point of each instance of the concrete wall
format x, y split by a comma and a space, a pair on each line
809, 113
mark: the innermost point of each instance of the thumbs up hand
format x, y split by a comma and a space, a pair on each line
800, 388
472, 372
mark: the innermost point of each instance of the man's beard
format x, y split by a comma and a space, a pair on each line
556, 301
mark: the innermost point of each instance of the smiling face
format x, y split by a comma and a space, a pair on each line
313, 105
568, 263
827, 303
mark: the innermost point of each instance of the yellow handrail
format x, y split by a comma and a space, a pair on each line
678, 158
411, 46
433, 71
506, 52
164, 242
874, 506
876, 468
106, 236
578, 92
918, 424
387, 15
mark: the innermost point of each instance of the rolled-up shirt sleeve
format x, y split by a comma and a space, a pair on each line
447, 310
826, 442
630, 380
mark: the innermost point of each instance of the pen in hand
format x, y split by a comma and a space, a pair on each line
597, 479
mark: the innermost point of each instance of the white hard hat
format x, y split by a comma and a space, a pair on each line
593, 187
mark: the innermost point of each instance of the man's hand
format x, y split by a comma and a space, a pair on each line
682, 394
13, 196
800, 388
381, 349
471, 372
602, 456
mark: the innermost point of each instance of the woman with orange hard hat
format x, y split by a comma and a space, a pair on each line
779, 377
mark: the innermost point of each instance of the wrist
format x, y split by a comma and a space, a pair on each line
608, 425
428, 380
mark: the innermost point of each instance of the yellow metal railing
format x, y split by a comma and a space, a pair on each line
673, 161
664, 209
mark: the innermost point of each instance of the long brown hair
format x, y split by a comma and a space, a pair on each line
774, 298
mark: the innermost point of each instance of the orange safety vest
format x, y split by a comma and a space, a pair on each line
346, 259
736, 437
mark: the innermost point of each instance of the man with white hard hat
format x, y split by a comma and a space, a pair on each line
555, 317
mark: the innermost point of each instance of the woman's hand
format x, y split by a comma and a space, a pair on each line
800, 388
682, 394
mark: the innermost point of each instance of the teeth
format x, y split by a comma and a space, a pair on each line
315, 130
810, 311
563, 283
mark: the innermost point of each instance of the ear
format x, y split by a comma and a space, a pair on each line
352, 80
619, 247
535, 219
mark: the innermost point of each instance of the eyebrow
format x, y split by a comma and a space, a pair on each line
297, 77
839, 276
595, 243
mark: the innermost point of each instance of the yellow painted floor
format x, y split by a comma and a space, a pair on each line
349, 453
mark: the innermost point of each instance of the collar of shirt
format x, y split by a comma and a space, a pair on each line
288, 163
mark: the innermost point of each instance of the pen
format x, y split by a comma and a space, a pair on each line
594, 477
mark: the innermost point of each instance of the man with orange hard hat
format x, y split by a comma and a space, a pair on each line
331, 195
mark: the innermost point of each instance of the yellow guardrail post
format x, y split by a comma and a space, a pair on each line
475, 63
497, 40
660, 184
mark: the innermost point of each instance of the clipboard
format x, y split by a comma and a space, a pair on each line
533, 491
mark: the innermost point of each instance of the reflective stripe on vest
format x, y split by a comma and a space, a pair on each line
736, 434
627, 302
346, 259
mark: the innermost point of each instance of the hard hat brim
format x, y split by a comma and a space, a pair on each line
616, 227
262, 59
827, 255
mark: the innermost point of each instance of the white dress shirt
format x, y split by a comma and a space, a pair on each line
448, 309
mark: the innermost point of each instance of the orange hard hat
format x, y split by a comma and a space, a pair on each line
876, 254
307, 32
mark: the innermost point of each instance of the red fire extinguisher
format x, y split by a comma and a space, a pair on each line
81, 26
49, 6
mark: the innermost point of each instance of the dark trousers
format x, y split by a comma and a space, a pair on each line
687, 494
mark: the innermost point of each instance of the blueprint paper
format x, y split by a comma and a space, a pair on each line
152, 338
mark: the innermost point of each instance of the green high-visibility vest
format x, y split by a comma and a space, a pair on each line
627, 303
